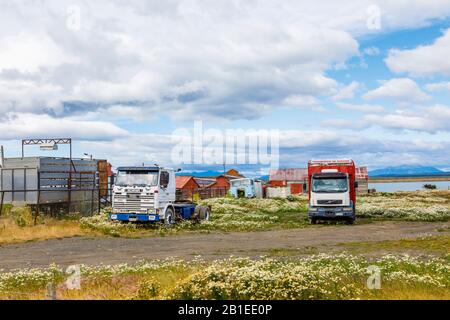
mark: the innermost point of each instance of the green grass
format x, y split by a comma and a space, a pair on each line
439, 245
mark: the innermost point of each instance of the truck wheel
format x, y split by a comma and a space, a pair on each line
169, 217
313, 221
196, 216
350, 221
204, 213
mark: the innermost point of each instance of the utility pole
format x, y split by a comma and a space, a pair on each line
2, 156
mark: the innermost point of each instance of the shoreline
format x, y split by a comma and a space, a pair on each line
408, 179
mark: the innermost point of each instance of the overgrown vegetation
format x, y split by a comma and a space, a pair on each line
228, 215
17, 224
410, 206
320, 276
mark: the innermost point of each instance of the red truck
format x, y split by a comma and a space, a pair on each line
332, 190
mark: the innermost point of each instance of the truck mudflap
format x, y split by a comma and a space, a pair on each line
331, 213
130, 217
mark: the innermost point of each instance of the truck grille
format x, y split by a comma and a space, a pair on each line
133, 202
329, 202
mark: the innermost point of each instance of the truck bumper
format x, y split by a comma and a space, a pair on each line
331, 213
130, 217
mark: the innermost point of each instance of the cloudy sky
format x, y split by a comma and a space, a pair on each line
368, 80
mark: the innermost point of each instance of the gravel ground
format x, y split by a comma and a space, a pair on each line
106, 250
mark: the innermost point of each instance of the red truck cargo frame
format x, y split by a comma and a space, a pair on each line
344, 166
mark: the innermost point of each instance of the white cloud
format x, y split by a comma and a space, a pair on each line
28, 52
445, 85
31, 96
399, 121
26, 125
400, 89
296, 148
200, 54
366, 108
423, 60
339, 123
427, 119
301, 101
346, 92
372, 51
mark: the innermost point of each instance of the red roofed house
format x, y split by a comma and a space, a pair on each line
186, 187
215, 187
294, 178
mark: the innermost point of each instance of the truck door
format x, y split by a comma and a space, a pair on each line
164, 193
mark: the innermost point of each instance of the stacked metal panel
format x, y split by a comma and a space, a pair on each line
45, 180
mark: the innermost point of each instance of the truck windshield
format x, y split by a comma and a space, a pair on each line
137, 178
239, 183
329, 185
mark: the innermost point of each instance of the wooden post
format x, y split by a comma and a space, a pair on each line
51, 291
1, 201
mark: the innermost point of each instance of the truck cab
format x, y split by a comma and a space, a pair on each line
245, 188
332, 190
143, 194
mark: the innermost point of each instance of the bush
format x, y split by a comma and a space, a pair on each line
22, 216
148, 289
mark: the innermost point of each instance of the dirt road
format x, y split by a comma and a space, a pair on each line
117, 250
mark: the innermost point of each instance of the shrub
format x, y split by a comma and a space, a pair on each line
22, 216
148, 289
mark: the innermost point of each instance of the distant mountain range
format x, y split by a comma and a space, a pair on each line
397, 171
200, 174
406, 171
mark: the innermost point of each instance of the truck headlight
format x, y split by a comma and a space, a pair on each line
313, 209
347, 209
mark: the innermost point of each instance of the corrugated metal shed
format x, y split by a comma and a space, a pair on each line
33, 180
361, 173
295, 174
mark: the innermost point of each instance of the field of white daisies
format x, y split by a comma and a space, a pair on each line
340, 276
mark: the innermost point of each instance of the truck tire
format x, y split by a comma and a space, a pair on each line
169, 217
204, 213
196, 216
313, 220
350, 221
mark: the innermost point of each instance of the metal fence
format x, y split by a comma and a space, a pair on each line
87, 202
193, 194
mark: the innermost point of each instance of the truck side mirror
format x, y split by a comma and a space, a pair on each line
356, 184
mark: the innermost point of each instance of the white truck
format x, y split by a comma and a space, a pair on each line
144, 194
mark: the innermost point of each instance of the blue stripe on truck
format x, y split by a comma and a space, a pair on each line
134, 217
